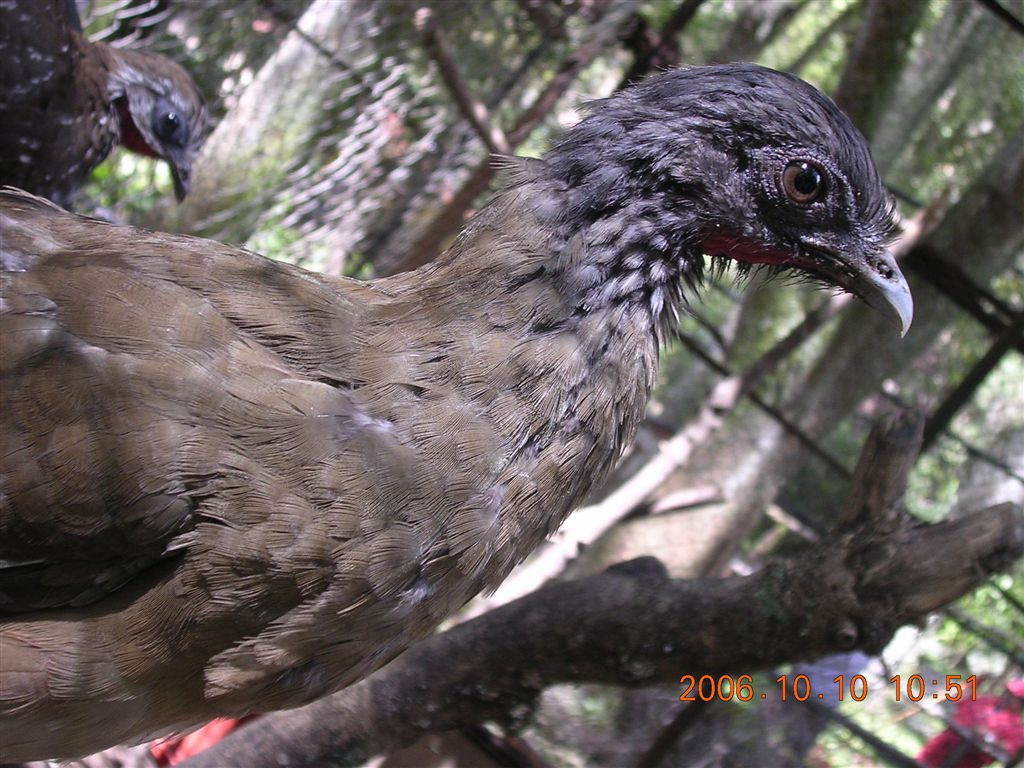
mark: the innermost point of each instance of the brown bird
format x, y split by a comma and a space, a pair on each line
232, 485
65, 103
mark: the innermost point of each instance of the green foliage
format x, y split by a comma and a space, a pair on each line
126, 187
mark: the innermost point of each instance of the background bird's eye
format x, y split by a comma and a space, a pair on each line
169, 127
803, 181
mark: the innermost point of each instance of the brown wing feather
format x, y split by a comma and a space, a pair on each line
123, 388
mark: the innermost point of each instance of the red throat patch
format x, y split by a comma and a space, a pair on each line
747, 251
130, 135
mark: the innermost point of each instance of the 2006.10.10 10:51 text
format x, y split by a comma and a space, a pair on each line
798, 688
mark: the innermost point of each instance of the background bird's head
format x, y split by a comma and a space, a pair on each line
744, 163
161, 112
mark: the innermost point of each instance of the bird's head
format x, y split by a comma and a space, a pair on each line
744, 163
161, 112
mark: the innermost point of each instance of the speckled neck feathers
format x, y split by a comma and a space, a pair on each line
606, 247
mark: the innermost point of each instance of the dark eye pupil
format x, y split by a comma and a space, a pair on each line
169, 126
807, 180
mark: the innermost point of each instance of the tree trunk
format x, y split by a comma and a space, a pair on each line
876, 59
957, 38
755, 26
256, 143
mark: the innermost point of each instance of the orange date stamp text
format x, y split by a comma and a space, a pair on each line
843, 688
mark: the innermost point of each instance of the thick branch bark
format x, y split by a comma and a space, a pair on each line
881, 476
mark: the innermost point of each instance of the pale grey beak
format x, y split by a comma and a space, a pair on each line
881, 284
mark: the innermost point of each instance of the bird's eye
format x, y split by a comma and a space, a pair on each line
169, 127
803, 181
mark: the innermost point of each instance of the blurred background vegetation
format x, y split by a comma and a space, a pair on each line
337, 142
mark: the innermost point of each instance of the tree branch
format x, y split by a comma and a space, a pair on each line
474, 110
547, 22
881, 474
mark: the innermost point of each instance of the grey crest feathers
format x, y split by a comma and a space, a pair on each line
734, 112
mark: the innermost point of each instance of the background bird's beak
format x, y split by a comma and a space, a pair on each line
181, 172
877, 279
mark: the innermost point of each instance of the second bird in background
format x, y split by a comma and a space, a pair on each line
65, 103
